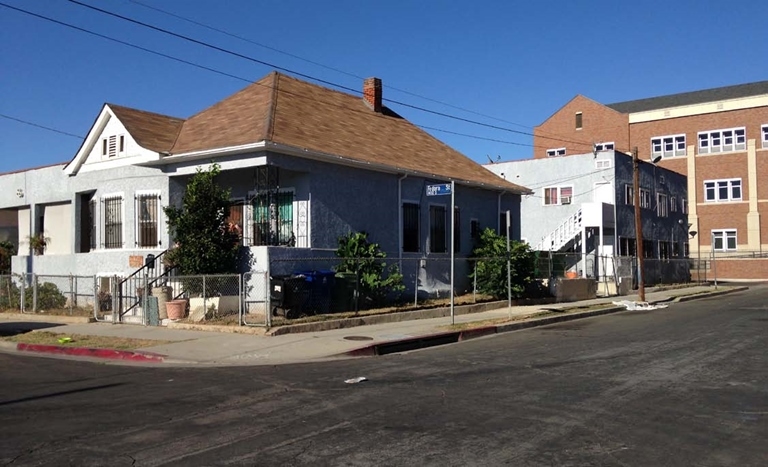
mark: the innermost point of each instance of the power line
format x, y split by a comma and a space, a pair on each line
304, 75
327, 67
40, 126
240, 78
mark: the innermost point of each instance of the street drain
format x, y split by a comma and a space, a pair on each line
358, 338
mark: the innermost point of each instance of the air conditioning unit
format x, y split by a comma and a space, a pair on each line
565, 200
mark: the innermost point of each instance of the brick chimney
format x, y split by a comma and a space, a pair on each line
372, 93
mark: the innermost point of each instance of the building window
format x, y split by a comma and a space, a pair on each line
273, 219
503, 224
662, 208
722, 190
604, 146
104, 146
686, 249
602, 163
235, 217
649, 249
673, 204
474, 230
437, 230
627, 246
665, 249
629, 195
147, 210
555, 152
733, 139
113, 222
685, 206
675, 250
557, 195
645, 198
765, 136
668, 146
724, 240
579, 120
410, 227
122, 143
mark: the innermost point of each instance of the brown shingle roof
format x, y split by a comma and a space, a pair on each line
288, 111
152, 131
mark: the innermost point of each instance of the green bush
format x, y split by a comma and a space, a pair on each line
7, 250
366, 261
48, 296
492, 266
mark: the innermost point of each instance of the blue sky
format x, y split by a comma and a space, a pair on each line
512, 63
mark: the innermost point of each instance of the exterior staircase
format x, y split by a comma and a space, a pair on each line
566, 232
129, 293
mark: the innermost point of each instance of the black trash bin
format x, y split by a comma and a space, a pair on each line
289, 296
320, 285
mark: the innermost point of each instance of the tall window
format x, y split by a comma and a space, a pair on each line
649, 249
673, 203
437, 243
147, 206
662, 208
234, 220
113, 222
732, 139
579, 120
645, 198
474, 230
665, 249
722, 190
668, 146
273, 219
629, 195
410, 227
503, 224
765, 136
724, 240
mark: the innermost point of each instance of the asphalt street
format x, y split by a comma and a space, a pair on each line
686, 385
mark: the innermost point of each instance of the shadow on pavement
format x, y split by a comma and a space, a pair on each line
14, 328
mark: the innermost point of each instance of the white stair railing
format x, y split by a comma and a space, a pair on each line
563, 234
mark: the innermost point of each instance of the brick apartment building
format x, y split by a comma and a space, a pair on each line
717, 137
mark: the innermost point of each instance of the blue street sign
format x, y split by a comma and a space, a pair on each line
438, 190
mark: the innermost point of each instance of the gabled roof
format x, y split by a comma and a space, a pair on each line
151, 130
691, 98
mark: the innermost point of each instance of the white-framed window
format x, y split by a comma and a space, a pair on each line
112, 221
555, 152
764, 132
724, 240
668, 146
673, 203
273, 222
147, 211
629, 195
557, 195
645, 198
685, 206
579, 121
602, 163
609, 146
722, 190
662, 208
731, 139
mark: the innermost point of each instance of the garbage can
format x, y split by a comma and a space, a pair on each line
343, 295
320, 285
289, 296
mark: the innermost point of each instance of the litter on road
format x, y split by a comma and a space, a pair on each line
359, 379
631, 305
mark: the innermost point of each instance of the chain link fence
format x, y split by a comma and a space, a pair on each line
256, 300
50, 294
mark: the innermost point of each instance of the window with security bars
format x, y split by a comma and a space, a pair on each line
627, 246
147, 208
437, 230
410, 227
273, 219
234, 218
113, 222
665, 249
649, 249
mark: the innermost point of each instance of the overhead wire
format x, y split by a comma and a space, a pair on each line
26, 122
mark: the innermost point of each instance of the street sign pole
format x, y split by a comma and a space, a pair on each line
453, 240
509, 272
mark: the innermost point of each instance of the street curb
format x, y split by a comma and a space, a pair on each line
110, 354
442, 338
260, 331
42, 317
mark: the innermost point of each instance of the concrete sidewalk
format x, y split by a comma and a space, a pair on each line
216, 348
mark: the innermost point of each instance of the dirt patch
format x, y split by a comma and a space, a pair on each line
80, 340
85, 312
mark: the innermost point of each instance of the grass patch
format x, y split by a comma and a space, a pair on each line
80, 340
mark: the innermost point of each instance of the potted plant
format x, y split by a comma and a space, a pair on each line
38, 243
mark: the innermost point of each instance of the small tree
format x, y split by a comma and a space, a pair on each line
492, 265
205, 244
366, 260
7, 250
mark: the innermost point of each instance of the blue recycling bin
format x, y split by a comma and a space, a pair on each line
320, 286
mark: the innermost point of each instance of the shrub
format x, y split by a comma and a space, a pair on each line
492, 265
366, 261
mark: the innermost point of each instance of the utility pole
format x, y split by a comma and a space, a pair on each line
638, 227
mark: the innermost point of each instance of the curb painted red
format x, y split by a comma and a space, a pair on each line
112, 354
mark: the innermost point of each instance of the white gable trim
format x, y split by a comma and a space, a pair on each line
94, 137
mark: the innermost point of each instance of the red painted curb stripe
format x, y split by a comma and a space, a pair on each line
89, 352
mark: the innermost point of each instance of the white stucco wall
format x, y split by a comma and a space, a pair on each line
58, 228
23, 216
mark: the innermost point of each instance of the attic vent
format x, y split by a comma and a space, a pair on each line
112, 146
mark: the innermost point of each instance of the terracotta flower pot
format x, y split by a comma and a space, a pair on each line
176, 309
